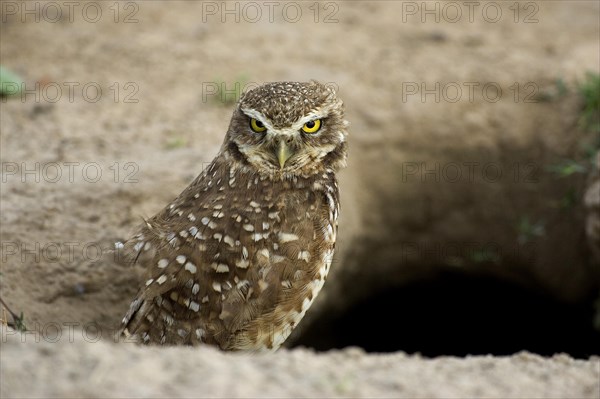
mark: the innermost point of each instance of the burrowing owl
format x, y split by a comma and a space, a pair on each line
239, 256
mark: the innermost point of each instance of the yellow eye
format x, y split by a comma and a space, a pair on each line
312, 126
257, 126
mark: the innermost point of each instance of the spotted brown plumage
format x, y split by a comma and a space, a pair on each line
239, 256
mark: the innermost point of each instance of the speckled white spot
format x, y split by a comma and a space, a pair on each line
199, 236
222, 268
304, 255
330, 230
286, 284
278, 258
286, 237
190, 267
163, 263
263, 252
161, 279
194, 306
180, 259
228, 240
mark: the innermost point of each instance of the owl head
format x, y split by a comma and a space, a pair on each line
289, 129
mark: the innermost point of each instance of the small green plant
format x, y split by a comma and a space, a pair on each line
228, 93
18, 322
559, 90
589, 121
10, 83
561, 87
175, 142
567, 168
589, 90
528, 230
569, 200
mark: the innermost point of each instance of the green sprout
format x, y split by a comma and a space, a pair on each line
228, 93
528, 230
10, 83
590, 92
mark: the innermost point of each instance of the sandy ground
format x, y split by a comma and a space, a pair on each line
79, 171
72, 367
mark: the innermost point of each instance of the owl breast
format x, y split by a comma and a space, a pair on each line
236, 260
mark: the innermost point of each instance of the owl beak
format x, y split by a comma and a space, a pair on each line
283, 153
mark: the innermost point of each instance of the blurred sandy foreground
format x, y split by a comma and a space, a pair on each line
405, 75
72, 367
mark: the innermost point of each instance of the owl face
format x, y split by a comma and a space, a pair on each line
289, 129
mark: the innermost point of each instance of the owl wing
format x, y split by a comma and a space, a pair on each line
181, 250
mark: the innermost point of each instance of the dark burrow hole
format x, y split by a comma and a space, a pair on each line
458, 315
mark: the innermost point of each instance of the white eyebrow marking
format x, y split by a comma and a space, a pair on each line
311, 116
320, 114
252, 113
